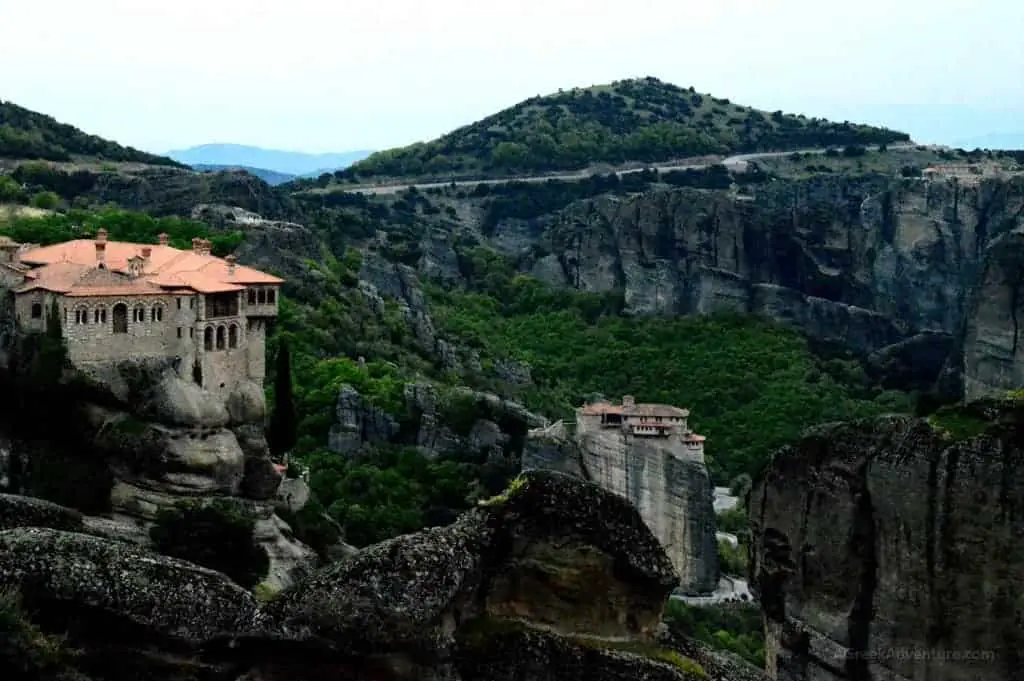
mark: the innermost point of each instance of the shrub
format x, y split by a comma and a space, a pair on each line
214, 535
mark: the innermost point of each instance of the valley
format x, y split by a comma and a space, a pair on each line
443, 302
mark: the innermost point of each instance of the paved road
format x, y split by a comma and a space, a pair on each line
737, 162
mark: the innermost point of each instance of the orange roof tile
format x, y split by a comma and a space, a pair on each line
60, 268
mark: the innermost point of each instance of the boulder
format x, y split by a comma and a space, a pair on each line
119, 582
18, 511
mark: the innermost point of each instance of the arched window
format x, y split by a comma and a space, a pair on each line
157, 313
120, 314
233, 336
139, 314
81, 315
99, 315
261, 296
221, 337
208, 338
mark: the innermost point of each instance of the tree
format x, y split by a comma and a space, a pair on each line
283, 430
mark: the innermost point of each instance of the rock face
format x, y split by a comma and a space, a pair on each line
863, 259
460, 420
165, 440
554, 579
991, 356
671, 490
890, 549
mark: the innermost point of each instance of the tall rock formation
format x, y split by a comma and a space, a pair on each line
989, 357
890, 549
867, 260
661, 476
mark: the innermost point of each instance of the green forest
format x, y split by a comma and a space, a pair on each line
30, 135
641, 120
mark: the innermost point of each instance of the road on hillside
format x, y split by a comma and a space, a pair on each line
737, 163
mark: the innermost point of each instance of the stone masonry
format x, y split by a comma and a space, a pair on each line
120, 300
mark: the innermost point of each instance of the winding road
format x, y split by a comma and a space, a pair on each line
736, 163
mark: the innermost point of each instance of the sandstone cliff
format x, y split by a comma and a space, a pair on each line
890, 549
671, 490
555, 579
988, 358
867, 260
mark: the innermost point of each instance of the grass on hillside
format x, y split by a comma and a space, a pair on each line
26, 134
642, 120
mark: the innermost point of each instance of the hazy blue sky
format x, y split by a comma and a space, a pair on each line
332, 75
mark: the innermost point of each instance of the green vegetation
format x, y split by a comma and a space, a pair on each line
25, 134
731, 627
958, 423
751, 385
282, 431
217, 535
642, 120
122, 225
26, 652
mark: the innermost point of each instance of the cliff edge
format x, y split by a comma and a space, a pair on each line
890, 548
556, 579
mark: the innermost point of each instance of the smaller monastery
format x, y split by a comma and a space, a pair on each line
642, 420
121, 300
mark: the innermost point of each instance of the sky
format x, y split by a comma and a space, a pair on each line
337, 75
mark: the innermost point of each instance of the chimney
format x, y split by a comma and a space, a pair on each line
230, 260
197, 245
101, 251
101, 235
161, 238
628, 401
146, 252
207, 246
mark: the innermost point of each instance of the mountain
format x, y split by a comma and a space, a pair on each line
271, 177
25, 134
277, 160
642, 120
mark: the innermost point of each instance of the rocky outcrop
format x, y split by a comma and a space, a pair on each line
435, 421
671, 489
554, 579
889, 548
866, 260
162, 440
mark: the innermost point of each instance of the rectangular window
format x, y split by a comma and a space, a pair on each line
180, 332
179, 303
191, 303
191, 333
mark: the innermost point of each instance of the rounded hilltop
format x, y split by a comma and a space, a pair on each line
642, 120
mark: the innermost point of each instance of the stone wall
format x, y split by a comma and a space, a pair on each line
90, 322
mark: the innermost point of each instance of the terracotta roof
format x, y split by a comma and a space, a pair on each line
655, 410
61, 268
693, 437
601, 408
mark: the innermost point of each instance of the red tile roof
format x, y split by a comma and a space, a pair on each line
72, 268
641, 409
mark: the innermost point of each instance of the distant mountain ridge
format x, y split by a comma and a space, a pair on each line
271, 177
293, 163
